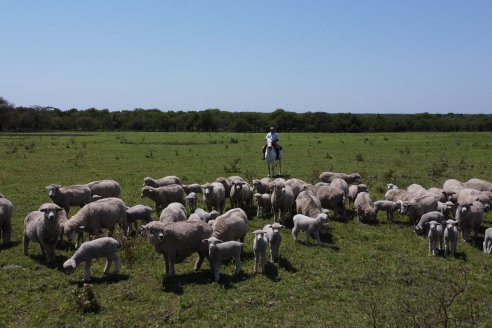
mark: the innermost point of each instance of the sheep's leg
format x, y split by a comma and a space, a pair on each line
108, 265
87, 274
166, 265
263, 261
316, 235
294, 233
238, 264
199, 261
256, 262
26, 243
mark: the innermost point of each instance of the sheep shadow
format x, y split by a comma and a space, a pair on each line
9, 245
106, 279
57, 264
285, 264
176, 284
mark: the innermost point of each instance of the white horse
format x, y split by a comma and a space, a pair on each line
270, 158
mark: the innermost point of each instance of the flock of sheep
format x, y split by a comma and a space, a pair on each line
216, 235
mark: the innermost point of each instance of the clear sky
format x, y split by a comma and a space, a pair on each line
367, 56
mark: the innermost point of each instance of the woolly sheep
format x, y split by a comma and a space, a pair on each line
43, 227
259, 248
282, 201
438, 193
417, 207
417, 190
262, 185
333, 198
77, 195
364, 207
478, 184
435, 236
445, 208
487, 241
349, 178
219, 250
193, 187
105, 188
297, 186
178, 240
166, 181
136, 213
341, 184
202, 215
421, 227
309, 226
231, 225
191, 198
352, 193
240, 194
214, 196
227, 183
97, 248
174, 212
308, 203
468, 196
105, 213
387, 206
6, 209
469, 219
163, 196
274, 239
450, 237
451, 188
264, 204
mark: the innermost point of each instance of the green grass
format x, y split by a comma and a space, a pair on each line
364, 275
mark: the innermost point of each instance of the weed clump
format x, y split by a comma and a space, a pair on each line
85, 299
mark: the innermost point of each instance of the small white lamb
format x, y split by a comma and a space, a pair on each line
191, 199
259, 248
275, 239
450, 237
100, 247
435, 236
309, 226
218, 250
487, 241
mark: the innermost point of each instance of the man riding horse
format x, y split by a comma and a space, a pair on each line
273, 137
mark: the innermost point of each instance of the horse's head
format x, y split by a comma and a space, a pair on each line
269, 144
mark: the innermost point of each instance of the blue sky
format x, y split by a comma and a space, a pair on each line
333, 56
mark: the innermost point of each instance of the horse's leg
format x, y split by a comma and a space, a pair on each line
280, 167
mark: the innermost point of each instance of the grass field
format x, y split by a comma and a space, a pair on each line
364, 275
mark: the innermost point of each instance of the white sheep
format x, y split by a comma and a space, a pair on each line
282, 201
219, 250
192, 187
333, 198
330, 176
202, 215
231, 225
364, 207
416, 207
43, 227
174, 212
487, 241
105, 188
136, 213
309, 226
97, 248
435, 236
469, 219
450, 237
77, 195
259, 248
297, 186
240, 194
478, 184
422, 225
262, 186
156, 183
6, 209
191, 198
274, 239
214, 196
263, 203
163, 196
387, 206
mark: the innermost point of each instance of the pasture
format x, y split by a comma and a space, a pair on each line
364, 275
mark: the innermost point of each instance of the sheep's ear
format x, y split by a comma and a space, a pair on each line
205, 241
81, 227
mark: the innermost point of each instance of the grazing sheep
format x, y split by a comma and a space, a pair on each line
422, 225
264, 204
214, 196
232, 225
166, 181
193, 187
274, 239
97, 248
387, 206
282, 201
332, 198
417, 190
435, 236
451, 189
105, 188
43, 227
105, 213
219, 250
469, 219
297, 186
450, 237
191, 198
467, 196
487, 241
259, 248
138, 212
240, 194
163, 196
178, 240
77, 195
364, 207
352, 193
308, 203
6, 209
174, 212
330, 176
309, 226
202, 215
341, 184
417, 207
262, 186
478, 184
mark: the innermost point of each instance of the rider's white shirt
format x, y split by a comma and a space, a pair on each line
272, 136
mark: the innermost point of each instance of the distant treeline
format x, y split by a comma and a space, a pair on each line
30, 119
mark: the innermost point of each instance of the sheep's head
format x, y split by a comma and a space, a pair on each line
148, 181
259, 234
69, 266
50, 211
323, 217
147, 191
212, 243
451, 224
53, 190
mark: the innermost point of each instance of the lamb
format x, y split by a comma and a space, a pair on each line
364, 207
274, 239
43, 227
191, 198
97, 248
387, 206
262, 186
417, 207
309, 226
469, 219
218, 250
478, 184
231, 225
214, 196
282, 201
174, 212
105, 188
193, 187
349, 178
92, 218
297, 186
435, 236
487, 241
202, 215
422, 225
166, 181
450, 237
259, 248
264, 204
6, 209
178, 240
241, 194
138, 212
163, 196
77, 195
332, 198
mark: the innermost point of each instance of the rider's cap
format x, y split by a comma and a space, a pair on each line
272, 128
